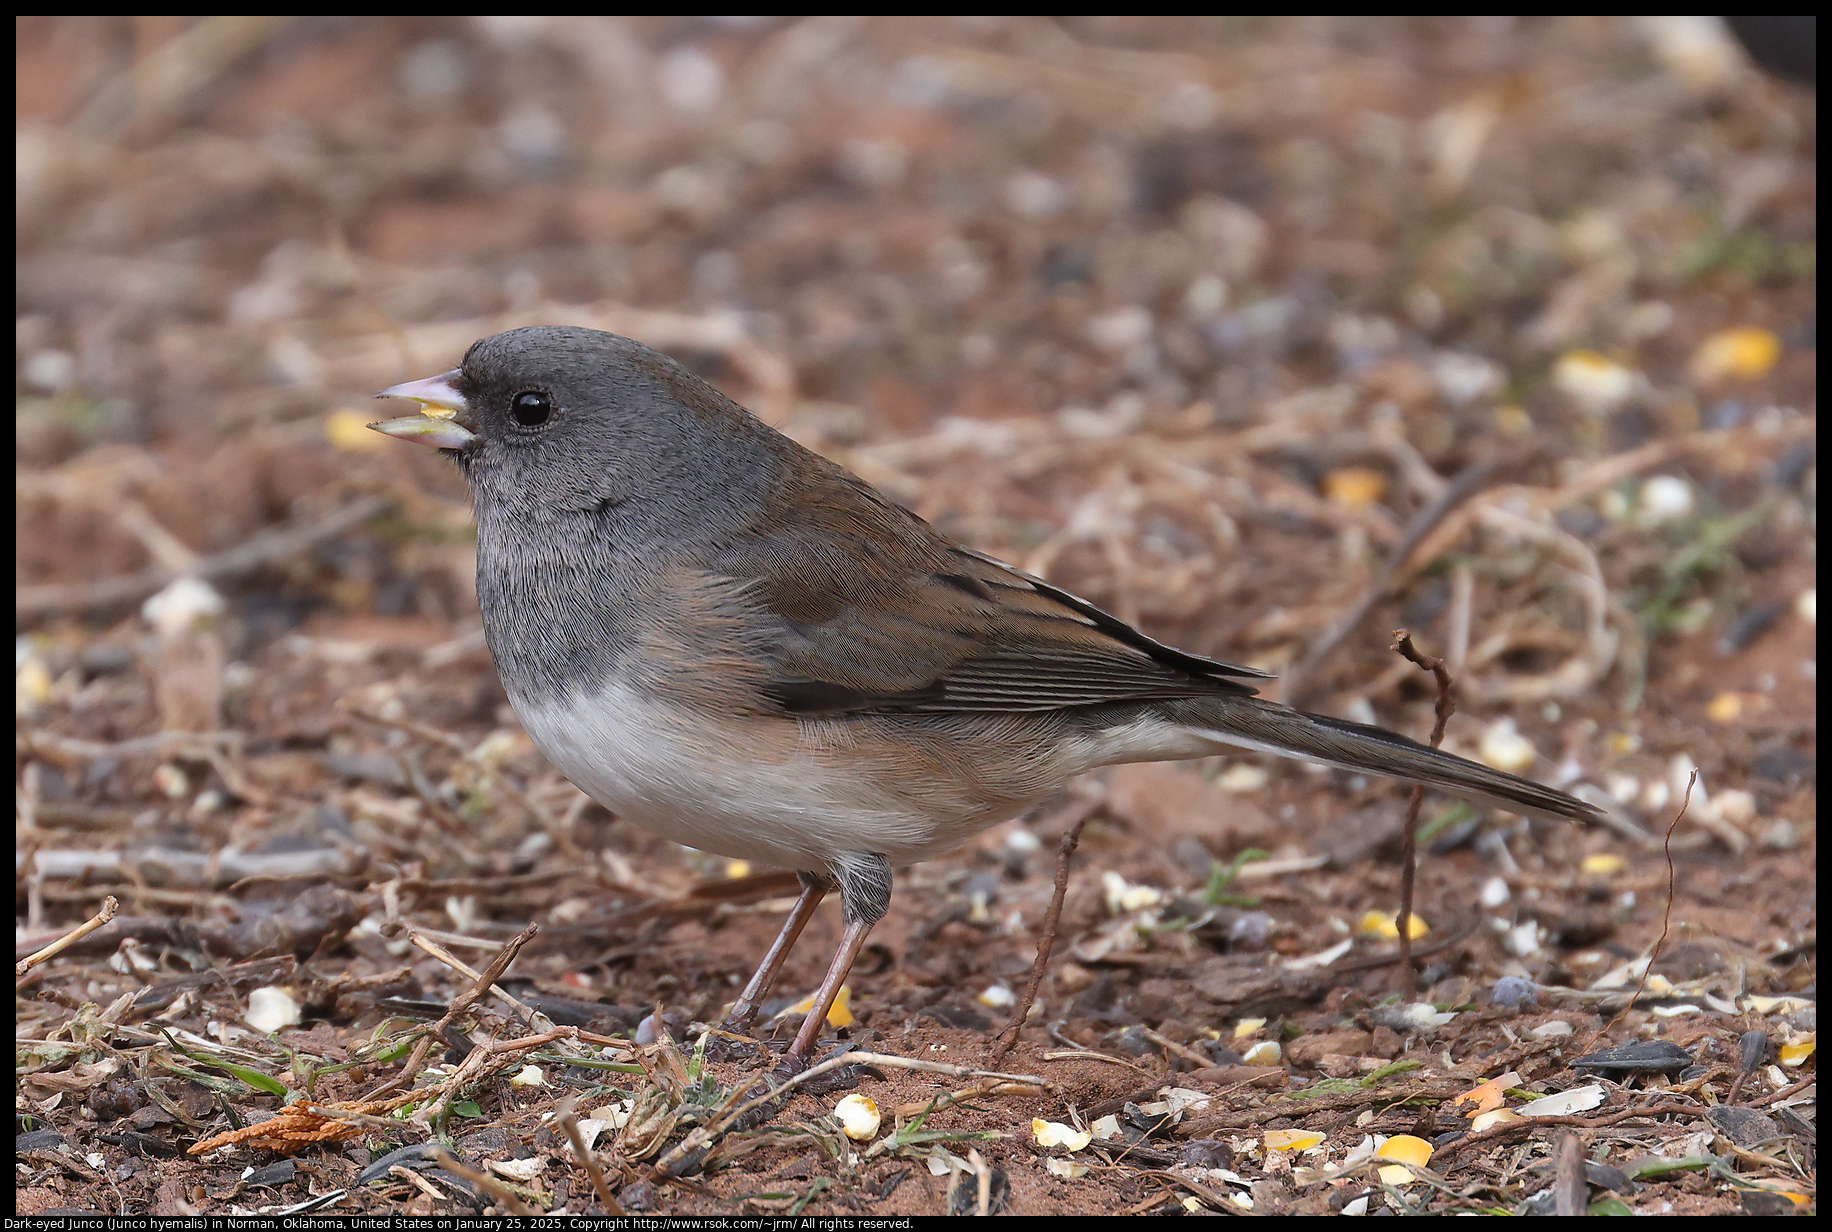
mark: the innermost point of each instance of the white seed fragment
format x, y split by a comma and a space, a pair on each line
182, 606
1522, 940
1565, 1103
1242, 779
1504, 748
858, 1117
171, 781
1122, 896
1664, 498
1597, 384
1055, 1133
523, 1170
1735, 806
271, 1008
1266, 1052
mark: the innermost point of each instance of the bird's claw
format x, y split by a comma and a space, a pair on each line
730, 1044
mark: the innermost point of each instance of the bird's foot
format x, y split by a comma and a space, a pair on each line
840, 1078
731, 1043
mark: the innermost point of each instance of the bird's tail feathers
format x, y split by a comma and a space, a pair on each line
1255, 723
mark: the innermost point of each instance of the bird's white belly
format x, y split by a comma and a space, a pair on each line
754, 788
810, 794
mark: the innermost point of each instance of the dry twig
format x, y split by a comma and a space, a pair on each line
295, 1127
107, 913
1409, 976
1008, 1038
570, 1123
1460, 489
511, 1202
1666, 917
481, 983
556, 829
1511, 1129
267, 548
705, 1134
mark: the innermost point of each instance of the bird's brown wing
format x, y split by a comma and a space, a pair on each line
865, 608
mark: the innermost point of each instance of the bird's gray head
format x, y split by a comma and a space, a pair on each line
550, 422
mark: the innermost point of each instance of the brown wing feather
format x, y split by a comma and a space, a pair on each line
868, 609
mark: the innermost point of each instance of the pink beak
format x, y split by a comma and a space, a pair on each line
430, 428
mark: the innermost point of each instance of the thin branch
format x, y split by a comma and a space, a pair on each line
268, 547
570, 1123
486, 980
1409, 975
512, 1203
1460, 489
555, 827
1666, 916
107, 913
706, 1133
482, 983
1008, 1038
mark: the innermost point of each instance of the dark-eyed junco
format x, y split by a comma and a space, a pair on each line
740, 646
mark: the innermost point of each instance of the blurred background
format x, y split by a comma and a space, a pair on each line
1194, 314
1269, 334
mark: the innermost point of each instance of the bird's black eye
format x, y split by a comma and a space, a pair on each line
531, 408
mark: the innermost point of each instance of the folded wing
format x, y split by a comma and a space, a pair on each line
870, 610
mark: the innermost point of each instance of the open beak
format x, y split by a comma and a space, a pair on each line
443, 409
